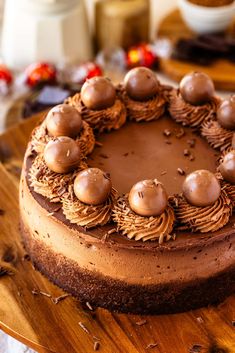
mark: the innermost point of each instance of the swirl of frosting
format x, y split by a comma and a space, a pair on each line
86, 215
85, 139
48, 183
149, 110
227, 187
190, 115
202, 219
216, 135
100, 120
143, 228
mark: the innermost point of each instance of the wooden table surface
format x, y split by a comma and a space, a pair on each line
222, 71
34, 318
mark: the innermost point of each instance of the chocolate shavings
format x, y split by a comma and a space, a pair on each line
141, 322
151, 345
96, 346
180, 171
6, 271
196, 348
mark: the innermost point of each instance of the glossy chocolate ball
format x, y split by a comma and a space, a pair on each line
63, 120
227, 167
62, 154
92, 186
98, 93
148, 198
201, 188
141, 83
197, 88
226, 113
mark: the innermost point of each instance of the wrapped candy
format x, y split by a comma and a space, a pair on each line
40, 73
6, 80
141, 55
79, 74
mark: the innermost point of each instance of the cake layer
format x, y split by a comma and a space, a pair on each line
132, 262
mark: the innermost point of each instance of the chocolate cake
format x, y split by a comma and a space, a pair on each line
133, 215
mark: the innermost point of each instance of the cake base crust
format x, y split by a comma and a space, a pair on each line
115, 295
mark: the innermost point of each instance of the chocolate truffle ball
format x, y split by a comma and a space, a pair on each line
141, 83
98, 93
63, 120
62, 154
226, 113
197, 88
148, 198
227, 167
92, 186
201, 188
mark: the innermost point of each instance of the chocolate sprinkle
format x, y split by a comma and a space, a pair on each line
96, 345
196, 348
151, 345
191, 143
180, 171
141, 322
168, 142
103, 155
186, 152
180, 133
89, 306
2, 212
5, 271
167, 132
233, 323
60, 298
84, 327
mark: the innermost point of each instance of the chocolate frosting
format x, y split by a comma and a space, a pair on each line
85, 139
48, 183
151, 109
216, 135
88, 216
228, 188
190, 115
143, 228
202, 219
101, 120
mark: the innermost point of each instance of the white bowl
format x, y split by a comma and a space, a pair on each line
202, 19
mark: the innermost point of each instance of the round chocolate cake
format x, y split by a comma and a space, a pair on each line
127, 195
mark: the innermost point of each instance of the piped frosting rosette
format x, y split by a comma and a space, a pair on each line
99, 105
194, 102
188, 114
91, 200
52, 172
219, 133
203, 206
144, 213
63, 120
142, 95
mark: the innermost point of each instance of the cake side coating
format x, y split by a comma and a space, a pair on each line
128, 278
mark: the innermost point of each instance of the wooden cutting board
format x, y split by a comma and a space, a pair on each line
66, 327
222, 71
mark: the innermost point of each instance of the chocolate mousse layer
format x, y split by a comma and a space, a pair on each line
108, 269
